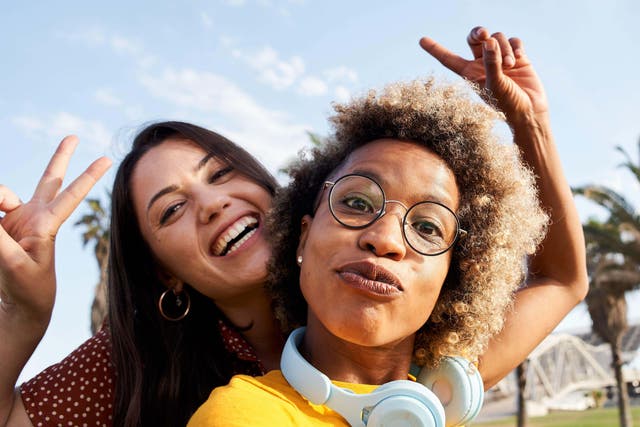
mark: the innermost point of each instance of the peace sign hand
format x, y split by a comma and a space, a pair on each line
28, 232
501, 66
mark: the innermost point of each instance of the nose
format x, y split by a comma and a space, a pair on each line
211, 204
384, 237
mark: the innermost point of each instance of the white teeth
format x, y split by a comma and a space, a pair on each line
239, 243
232, 232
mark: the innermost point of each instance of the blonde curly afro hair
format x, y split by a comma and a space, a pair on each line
498, 207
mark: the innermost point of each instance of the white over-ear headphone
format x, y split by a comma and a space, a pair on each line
399, 403
459, 387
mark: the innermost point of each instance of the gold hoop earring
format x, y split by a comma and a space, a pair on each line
176, 306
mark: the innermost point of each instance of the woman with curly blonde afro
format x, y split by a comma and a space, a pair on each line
415, 233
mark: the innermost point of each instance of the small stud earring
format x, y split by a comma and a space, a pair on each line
299, 259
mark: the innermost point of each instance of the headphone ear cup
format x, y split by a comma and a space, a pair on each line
407, 405
458, 385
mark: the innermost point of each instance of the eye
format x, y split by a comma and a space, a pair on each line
219, 174
358, 203
428, 229
168, 213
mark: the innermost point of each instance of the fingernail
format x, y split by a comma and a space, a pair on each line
509, 60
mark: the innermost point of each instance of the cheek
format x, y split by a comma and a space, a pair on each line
172, 249
431, 277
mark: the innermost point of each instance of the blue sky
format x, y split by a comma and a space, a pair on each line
264, 72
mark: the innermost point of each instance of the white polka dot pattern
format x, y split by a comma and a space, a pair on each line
235, 343
77, 391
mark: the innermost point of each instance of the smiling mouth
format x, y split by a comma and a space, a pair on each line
234, 236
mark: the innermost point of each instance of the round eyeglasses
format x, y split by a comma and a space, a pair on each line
357, 201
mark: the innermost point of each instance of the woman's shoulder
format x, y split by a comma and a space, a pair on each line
77, 389
245, 401
271, 384
267, 400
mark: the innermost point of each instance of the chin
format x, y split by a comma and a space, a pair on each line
362, 335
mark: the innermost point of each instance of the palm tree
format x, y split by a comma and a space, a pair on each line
316, 141
613, 259
521, 379
608, 310
96, 231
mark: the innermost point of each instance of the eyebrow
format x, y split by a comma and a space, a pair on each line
427, 196
172, 188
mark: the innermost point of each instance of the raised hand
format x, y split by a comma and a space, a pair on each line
558, 276
28, 232
501, 66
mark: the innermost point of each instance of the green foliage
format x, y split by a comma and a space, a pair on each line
95, 226
316, 141
613, 261
599, 397
614, 243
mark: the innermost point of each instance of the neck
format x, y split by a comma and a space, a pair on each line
345, 361
253, 311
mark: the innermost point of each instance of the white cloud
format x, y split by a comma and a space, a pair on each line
121, 45
91, 37
342, 94
226, 41
53, 128
279, 6
105, 96
124, 45
341, 74
283, 74
312, 86
207, 22
268, 134
278, 73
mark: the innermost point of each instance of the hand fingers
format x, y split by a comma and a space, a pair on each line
508, 58
11, 253
447, 58
8, 199
75, 192
518, 51
492, 57
51, 179
475, 38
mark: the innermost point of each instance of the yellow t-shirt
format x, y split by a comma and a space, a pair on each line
268, 400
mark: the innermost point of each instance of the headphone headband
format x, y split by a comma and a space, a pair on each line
395, 401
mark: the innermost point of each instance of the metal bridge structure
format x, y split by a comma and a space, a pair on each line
564, 364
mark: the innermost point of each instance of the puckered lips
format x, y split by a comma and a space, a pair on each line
234, 236
370, 277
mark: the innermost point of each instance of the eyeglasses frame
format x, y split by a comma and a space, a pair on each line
460, 233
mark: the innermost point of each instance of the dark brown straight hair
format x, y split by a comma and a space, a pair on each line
164, 370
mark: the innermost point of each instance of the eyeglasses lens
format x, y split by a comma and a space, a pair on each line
358, 201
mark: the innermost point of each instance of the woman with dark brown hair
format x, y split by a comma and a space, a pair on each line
187, 265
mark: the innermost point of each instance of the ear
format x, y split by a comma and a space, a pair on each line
169, 280
305, 226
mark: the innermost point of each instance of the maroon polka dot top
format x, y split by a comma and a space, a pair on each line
79, 391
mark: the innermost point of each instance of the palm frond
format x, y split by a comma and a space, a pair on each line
628, 163
619, 209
